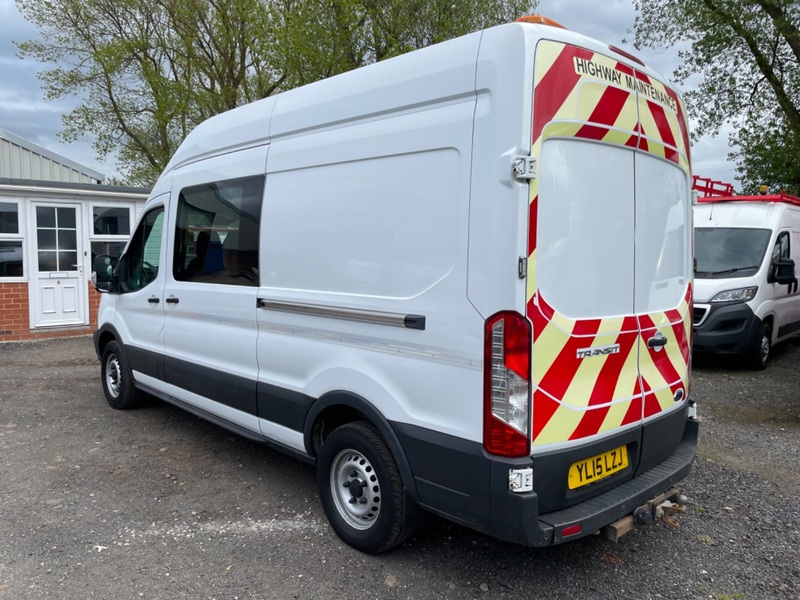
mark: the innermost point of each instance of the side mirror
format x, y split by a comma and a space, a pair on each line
103, 273
783, 271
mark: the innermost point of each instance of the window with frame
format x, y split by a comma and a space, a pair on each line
111, 228
56, 238
216, 232
142, 260
11, 241
781, 249
111, 220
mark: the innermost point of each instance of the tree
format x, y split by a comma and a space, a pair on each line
747, 56
148, 71
326, 37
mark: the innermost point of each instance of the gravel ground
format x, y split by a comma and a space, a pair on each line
155, 503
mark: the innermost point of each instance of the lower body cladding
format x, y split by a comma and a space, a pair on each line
446, 475
458, 480
730, 329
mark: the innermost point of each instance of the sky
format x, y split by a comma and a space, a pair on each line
25, 112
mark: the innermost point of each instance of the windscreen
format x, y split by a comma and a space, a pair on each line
728, 251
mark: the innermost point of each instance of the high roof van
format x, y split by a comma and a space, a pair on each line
747, 299
457, 281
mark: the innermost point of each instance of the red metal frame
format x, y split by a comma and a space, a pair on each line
782, 197
710, 188
718, 191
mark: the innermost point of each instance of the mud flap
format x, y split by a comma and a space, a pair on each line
663, 507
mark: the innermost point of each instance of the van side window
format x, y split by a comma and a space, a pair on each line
216, 232
781, 249
143, 257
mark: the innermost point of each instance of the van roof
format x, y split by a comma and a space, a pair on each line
745, 214
782, 197
435, 75
439, 73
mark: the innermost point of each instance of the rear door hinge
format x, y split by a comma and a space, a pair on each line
522, 267
523, 168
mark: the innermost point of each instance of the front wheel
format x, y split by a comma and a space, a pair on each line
117, 378
361, 489
760, 355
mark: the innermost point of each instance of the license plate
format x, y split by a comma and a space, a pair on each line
597, 467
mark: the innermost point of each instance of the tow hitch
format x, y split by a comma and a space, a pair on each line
661, 508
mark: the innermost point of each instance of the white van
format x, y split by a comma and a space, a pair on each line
746, 248
458, 281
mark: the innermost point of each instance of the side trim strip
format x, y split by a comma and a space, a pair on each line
229, 425
348, 314
789, 329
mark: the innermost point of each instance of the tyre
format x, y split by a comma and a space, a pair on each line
117, 379
760, 355
361, 489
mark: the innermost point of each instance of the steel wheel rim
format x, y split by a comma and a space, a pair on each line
355, 489
764, 348
113, 376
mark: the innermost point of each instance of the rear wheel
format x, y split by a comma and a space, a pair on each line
117, 378
361, 489
760, 355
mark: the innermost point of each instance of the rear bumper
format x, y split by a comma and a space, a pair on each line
623, 499
727, 329
457, 480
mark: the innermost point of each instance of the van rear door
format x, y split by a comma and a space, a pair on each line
662, 302
609, 293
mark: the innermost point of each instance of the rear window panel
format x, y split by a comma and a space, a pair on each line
585, 229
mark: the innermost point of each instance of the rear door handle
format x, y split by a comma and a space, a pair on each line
658, 341
172, 300
153, 300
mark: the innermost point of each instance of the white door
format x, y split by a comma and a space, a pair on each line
785, 297
140, 307
210, 329
57, 286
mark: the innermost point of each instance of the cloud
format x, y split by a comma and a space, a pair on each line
24, 111
710, 157
607, 21
610, 21
13, 28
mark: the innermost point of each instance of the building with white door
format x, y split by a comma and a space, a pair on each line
55, 216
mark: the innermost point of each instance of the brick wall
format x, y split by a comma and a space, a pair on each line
94, 304
15, 316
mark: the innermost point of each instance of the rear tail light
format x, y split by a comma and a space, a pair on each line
507, 390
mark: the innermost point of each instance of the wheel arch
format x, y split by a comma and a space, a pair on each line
107, 333
769, 321
338, 408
